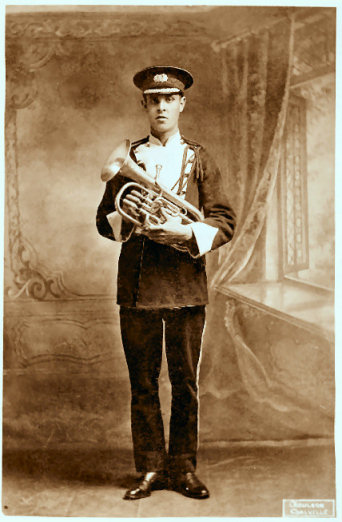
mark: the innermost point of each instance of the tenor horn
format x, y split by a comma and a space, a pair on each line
159, 203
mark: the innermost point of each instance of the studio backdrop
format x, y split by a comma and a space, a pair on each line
69, 101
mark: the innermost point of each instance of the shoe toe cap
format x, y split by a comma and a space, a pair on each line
136, 494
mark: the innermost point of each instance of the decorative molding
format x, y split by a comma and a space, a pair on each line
47, 26
29, 276
21, 87
57, 339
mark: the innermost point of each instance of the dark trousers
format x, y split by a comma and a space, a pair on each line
142, 337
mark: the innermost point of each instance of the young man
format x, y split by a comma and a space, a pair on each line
163, 291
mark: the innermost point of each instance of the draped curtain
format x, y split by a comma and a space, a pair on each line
257, 76
257, 72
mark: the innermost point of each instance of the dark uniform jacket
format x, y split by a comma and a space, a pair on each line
157, 276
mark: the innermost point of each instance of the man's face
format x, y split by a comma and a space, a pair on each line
163, 111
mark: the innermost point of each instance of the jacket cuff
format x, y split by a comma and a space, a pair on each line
203, 239
115, 221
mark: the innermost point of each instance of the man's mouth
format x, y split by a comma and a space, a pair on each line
161, 118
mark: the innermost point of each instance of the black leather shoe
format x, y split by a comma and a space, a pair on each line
189, 485
150, 481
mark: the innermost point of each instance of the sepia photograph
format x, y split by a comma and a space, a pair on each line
169, 260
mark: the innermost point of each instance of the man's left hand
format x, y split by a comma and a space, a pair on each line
168, 233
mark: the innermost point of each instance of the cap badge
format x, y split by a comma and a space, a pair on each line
160, 77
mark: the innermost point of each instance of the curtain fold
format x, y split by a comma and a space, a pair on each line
258, 69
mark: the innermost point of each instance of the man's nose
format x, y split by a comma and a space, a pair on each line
161, 105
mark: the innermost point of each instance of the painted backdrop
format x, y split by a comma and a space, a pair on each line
69, 101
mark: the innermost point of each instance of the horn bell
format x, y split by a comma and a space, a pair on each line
116, 160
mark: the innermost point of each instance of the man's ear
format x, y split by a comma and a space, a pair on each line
143, 103
182, 103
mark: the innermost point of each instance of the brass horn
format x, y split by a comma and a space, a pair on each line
159, 203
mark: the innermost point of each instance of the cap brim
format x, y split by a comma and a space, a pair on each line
165, 90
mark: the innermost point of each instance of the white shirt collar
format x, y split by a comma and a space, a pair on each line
175, 139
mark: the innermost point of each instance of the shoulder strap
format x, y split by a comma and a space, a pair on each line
192, 143
139, 142
134, 145
196, 147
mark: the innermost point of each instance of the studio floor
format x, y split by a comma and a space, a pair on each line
244, 480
